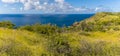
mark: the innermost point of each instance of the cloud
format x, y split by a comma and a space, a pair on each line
10, 1
21, 9
55, 6
102, 8
59, 6
59, 1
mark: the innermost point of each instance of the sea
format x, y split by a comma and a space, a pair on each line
55, 19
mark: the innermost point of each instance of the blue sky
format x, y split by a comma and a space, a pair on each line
58, 6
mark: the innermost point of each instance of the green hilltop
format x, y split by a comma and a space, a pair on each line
95, 36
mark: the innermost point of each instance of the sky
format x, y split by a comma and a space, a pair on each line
58, 6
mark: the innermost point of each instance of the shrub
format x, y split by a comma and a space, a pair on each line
59, 45
97, 48
6, 24
42, 29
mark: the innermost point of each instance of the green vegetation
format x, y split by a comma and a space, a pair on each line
101, 22
6, 24
96, 36
42, 29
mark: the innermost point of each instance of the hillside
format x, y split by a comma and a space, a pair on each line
103, 21
21, 43
95, 36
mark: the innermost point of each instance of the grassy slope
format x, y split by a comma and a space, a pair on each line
21, 43
88, 40
101, 22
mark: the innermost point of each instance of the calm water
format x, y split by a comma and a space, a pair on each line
58, 19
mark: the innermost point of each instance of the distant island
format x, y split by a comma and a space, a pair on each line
98, 35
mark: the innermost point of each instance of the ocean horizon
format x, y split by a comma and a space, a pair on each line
56, 19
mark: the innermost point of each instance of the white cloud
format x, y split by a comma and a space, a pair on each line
49, 7
10, 1
28, 6
45, 3
77, 9
59, 1
23, 1
102, 8
21, 8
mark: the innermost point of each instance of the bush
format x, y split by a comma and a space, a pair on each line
6, 24
42, 29
59, 45
97, 48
